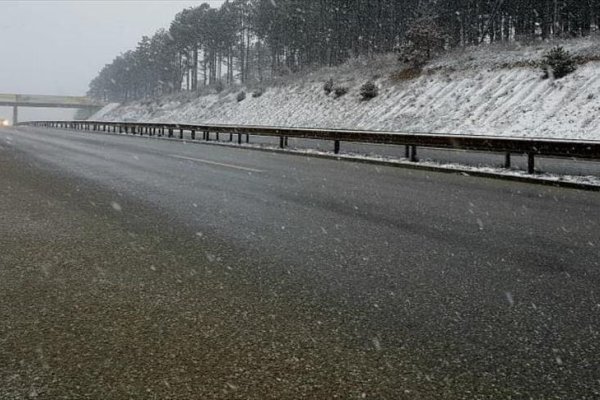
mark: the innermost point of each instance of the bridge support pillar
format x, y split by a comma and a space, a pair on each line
15, 119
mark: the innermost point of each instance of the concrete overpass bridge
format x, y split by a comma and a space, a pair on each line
45, 101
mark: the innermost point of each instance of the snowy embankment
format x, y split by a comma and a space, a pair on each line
489, 91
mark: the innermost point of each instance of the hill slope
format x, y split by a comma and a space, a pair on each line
490, 90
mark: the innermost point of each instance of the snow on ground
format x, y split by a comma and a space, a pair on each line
109, 108
487, 91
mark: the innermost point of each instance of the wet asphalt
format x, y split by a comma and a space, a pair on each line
137, 268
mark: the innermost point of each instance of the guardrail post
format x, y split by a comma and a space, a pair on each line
413, 154
531, 163
231, 137
239, 138
247, 138
281, 142
217, 136
170, 132
336, 147
193, 134
181, 134
507, 160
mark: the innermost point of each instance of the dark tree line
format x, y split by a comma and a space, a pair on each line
250, 40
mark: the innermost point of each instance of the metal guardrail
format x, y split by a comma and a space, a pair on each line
533, 147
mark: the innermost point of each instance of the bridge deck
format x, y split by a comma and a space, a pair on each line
24, 100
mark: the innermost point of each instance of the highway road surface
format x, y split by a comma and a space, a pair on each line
147, 269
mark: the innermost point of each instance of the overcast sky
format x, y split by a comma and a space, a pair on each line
57, 47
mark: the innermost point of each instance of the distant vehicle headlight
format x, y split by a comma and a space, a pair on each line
5, 122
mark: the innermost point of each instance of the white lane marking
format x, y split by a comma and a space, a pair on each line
218, 164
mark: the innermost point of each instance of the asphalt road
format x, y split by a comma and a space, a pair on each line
137, 268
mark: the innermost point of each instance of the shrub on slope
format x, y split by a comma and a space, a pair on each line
369, 91
558, 63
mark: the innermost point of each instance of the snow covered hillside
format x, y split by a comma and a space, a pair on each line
491, 90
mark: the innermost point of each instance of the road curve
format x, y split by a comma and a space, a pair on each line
154, 269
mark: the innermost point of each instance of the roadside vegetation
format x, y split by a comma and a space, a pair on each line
251, 43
